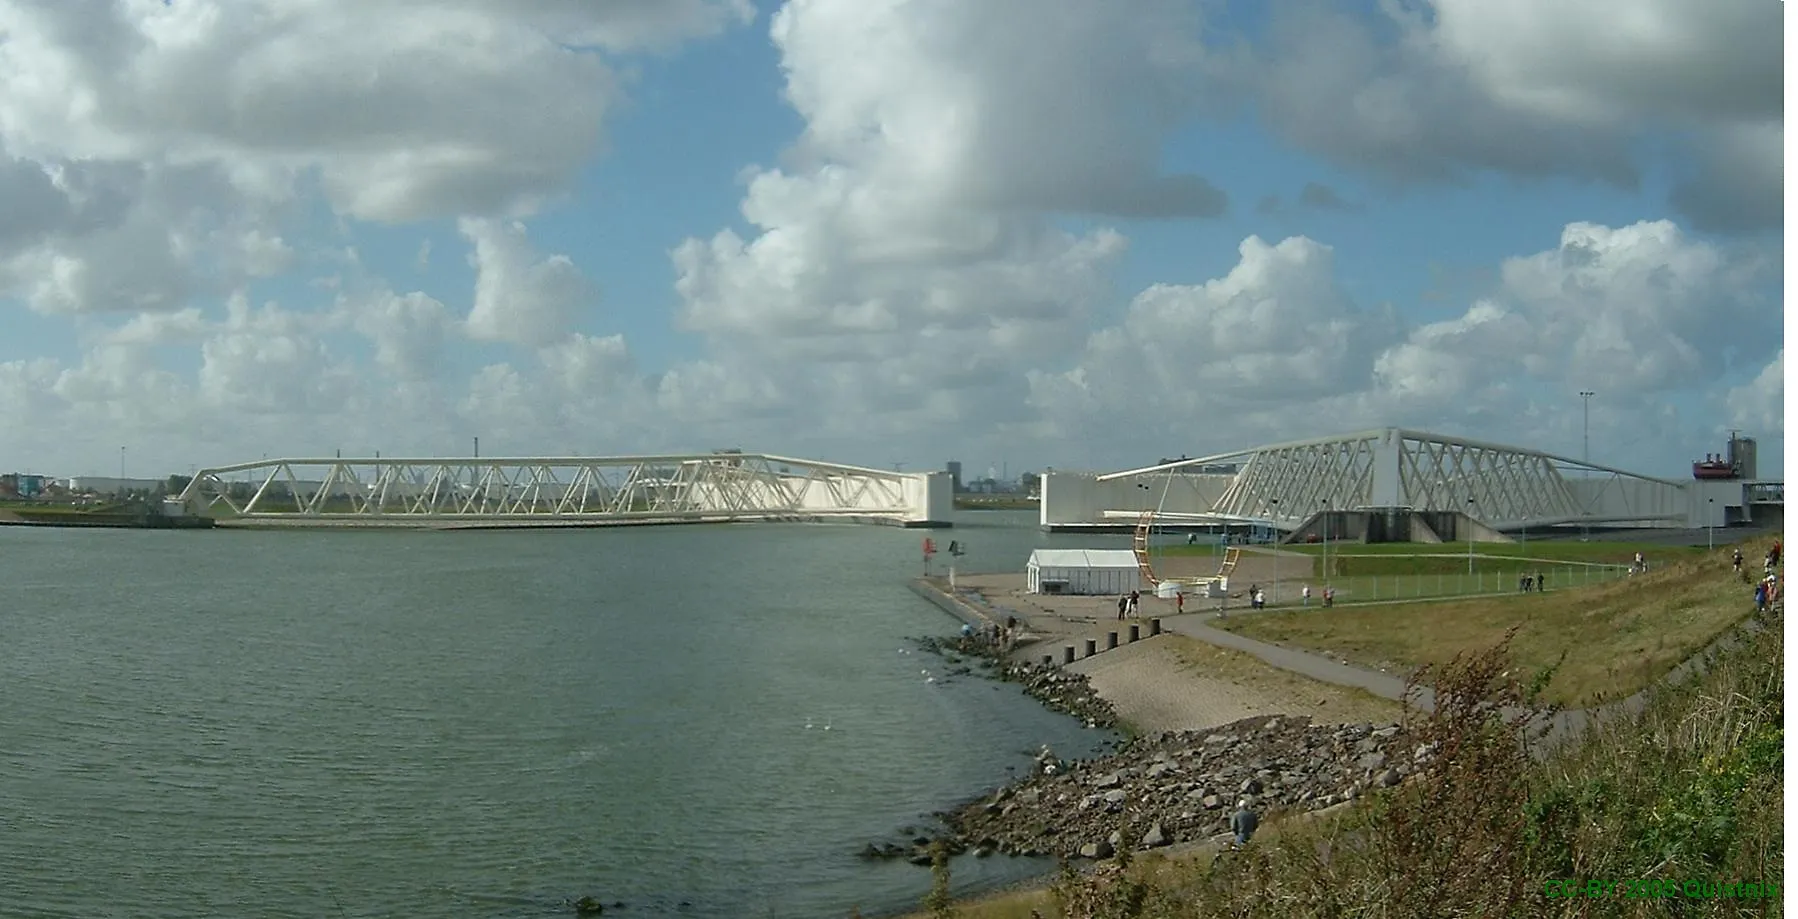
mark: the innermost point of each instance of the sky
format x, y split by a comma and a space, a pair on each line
885, 232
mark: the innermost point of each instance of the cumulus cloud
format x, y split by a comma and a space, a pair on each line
1759, 405
1277, 349
519, 297
930, 269
1447, 87
904, 269
152, 150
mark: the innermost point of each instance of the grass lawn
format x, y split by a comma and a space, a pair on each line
1610, 639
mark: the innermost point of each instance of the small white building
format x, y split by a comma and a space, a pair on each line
1086, 572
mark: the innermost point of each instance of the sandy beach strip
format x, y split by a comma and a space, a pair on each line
1167, 682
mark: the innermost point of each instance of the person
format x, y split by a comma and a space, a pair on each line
1135, 602
1736, 560
1760, 597
1243, 822
1305, 595
1179, 603
967, 630
1329, 597
1123, 604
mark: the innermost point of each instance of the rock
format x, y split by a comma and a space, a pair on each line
1389, 778
1177, 785
588, 906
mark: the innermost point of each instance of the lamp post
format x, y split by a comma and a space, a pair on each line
1275, 515
1585, 454
121, 472
1326, 507
1710, 524
1470, 537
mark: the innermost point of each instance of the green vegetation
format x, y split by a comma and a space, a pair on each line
1608, 640
1690, 789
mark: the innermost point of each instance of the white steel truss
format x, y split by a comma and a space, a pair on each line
552, 491
1504, 487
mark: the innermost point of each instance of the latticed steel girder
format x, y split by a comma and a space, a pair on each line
705, 486
1286, 484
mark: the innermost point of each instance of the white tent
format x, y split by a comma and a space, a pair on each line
1089, 572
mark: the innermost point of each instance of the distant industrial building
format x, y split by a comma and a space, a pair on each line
953, 467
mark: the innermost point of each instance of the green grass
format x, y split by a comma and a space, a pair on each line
1609, 640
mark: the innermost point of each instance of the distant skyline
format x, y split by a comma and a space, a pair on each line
885, 232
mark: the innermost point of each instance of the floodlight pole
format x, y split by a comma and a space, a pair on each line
1469, 537
1276, 537
1710, 525
1586, 451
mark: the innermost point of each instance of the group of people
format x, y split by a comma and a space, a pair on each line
1766, 590
993, 635
1128, 604
1527, 582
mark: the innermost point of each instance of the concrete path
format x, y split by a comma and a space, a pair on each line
1566, 724
1303, 663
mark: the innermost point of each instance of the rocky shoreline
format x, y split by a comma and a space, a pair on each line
1182, 787
1058, 690
1157, 790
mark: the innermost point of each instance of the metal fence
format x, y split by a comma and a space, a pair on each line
1394, 587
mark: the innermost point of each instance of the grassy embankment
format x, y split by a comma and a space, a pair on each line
1609, 640
1385, 572
1688, 789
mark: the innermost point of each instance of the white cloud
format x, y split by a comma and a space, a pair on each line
175, 135
1277, 350
408, 331
909, 282
517, 296
1537, 88
1759, 405
904, 271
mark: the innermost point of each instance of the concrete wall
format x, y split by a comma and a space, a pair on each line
1076, 498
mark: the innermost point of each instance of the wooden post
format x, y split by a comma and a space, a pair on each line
1136, 631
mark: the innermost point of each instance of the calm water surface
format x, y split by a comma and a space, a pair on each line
315, 724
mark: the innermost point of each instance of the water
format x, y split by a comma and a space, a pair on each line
354, 724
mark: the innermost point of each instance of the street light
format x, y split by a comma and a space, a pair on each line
1326, 505
1275, 515
1710, 524
1470, 537
1585, 451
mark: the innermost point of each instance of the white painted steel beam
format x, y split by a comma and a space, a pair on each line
586, 490
1502, 486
